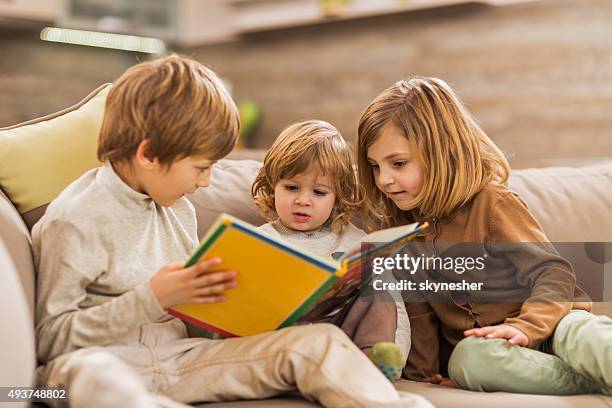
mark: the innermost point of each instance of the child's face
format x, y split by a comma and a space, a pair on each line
167, 185
304, 202
395, 166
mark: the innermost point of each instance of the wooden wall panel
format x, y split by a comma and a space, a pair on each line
537, 76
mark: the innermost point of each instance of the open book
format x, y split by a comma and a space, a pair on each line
277, 281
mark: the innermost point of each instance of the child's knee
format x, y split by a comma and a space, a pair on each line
96, 359
581, 335
103, 379
463, 358
318, 339
475, 360
317, 344
597, 332
582, 328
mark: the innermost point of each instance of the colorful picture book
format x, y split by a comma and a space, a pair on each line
277, 282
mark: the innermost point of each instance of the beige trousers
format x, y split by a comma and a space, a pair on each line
164, 368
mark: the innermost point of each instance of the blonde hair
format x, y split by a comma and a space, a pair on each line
297, 148
176, 103
458, 159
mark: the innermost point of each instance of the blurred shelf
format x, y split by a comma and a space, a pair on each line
253, 16
196, 22
31, 10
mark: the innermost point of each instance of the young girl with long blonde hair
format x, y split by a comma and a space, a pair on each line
422, 157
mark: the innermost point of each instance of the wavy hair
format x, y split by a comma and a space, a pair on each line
298, 148
458, 159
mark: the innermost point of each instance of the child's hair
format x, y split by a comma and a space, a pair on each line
458, 159
297, 148
178, 104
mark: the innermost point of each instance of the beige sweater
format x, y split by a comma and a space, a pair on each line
95, 250
322, 242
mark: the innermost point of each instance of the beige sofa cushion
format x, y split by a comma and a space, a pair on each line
571, 204
17, 340
441, 396
15, 237
574, 206
229, 192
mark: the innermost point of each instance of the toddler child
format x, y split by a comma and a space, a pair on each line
307, 189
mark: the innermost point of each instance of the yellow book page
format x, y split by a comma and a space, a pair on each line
271, 285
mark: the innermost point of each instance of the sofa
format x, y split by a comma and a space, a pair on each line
40, 157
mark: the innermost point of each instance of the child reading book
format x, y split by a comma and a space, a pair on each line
110, 255
422, 156
307, 190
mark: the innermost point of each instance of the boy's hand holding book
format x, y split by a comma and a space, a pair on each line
175, 285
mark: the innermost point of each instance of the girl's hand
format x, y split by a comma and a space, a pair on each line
174, 285
440, 380
514, 336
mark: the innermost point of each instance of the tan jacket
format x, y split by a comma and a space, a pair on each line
496, 216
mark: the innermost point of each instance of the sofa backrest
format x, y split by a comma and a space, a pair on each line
573, 204
574, 207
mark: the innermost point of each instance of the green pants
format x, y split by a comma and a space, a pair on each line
577, 359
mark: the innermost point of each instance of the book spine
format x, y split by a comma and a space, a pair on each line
201, 250
308, 303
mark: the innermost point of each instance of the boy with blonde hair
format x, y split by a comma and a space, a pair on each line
103, 290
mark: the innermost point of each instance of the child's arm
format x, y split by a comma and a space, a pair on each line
539, 267
68, 263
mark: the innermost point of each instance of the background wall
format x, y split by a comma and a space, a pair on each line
38, 78
537, 76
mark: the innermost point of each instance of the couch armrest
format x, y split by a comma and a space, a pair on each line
15, 237
17, 347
